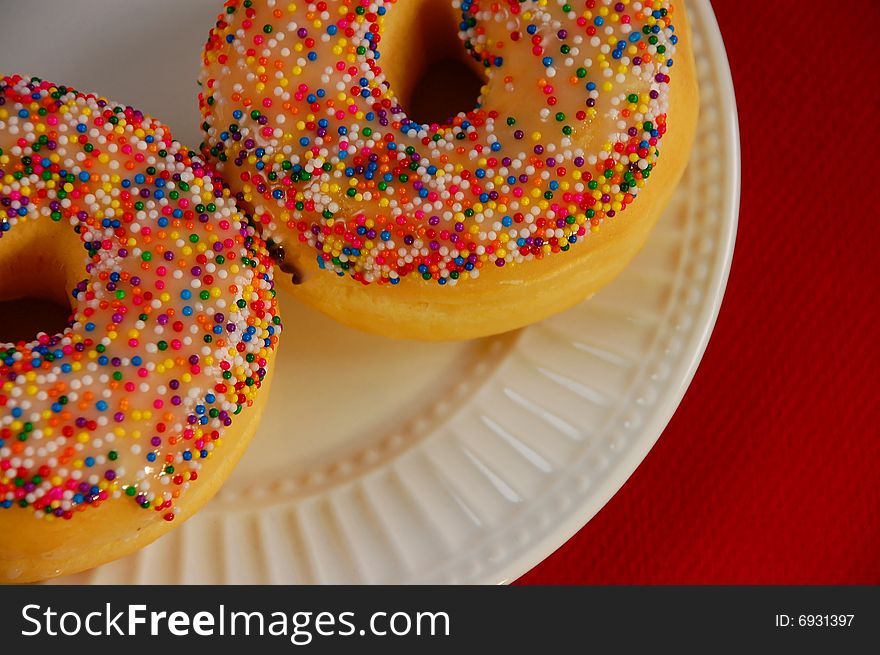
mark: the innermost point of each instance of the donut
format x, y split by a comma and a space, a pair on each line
126, 422
498, 217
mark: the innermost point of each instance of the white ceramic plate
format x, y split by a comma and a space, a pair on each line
380, 461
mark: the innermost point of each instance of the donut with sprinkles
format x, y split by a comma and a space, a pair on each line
136, 411
504, 213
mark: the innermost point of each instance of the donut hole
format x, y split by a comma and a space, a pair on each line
23, 319
426, 64
37, 276
447, 87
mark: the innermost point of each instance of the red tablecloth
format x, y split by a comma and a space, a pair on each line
769, 472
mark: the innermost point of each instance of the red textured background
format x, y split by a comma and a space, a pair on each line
769, 472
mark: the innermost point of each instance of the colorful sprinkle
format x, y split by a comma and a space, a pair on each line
308, 132
140, 387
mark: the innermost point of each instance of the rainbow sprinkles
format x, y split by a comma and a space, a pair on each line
301, 120
172, 323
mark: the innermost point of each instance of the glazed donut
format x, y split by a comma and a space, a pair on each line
494, 219
125, 423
